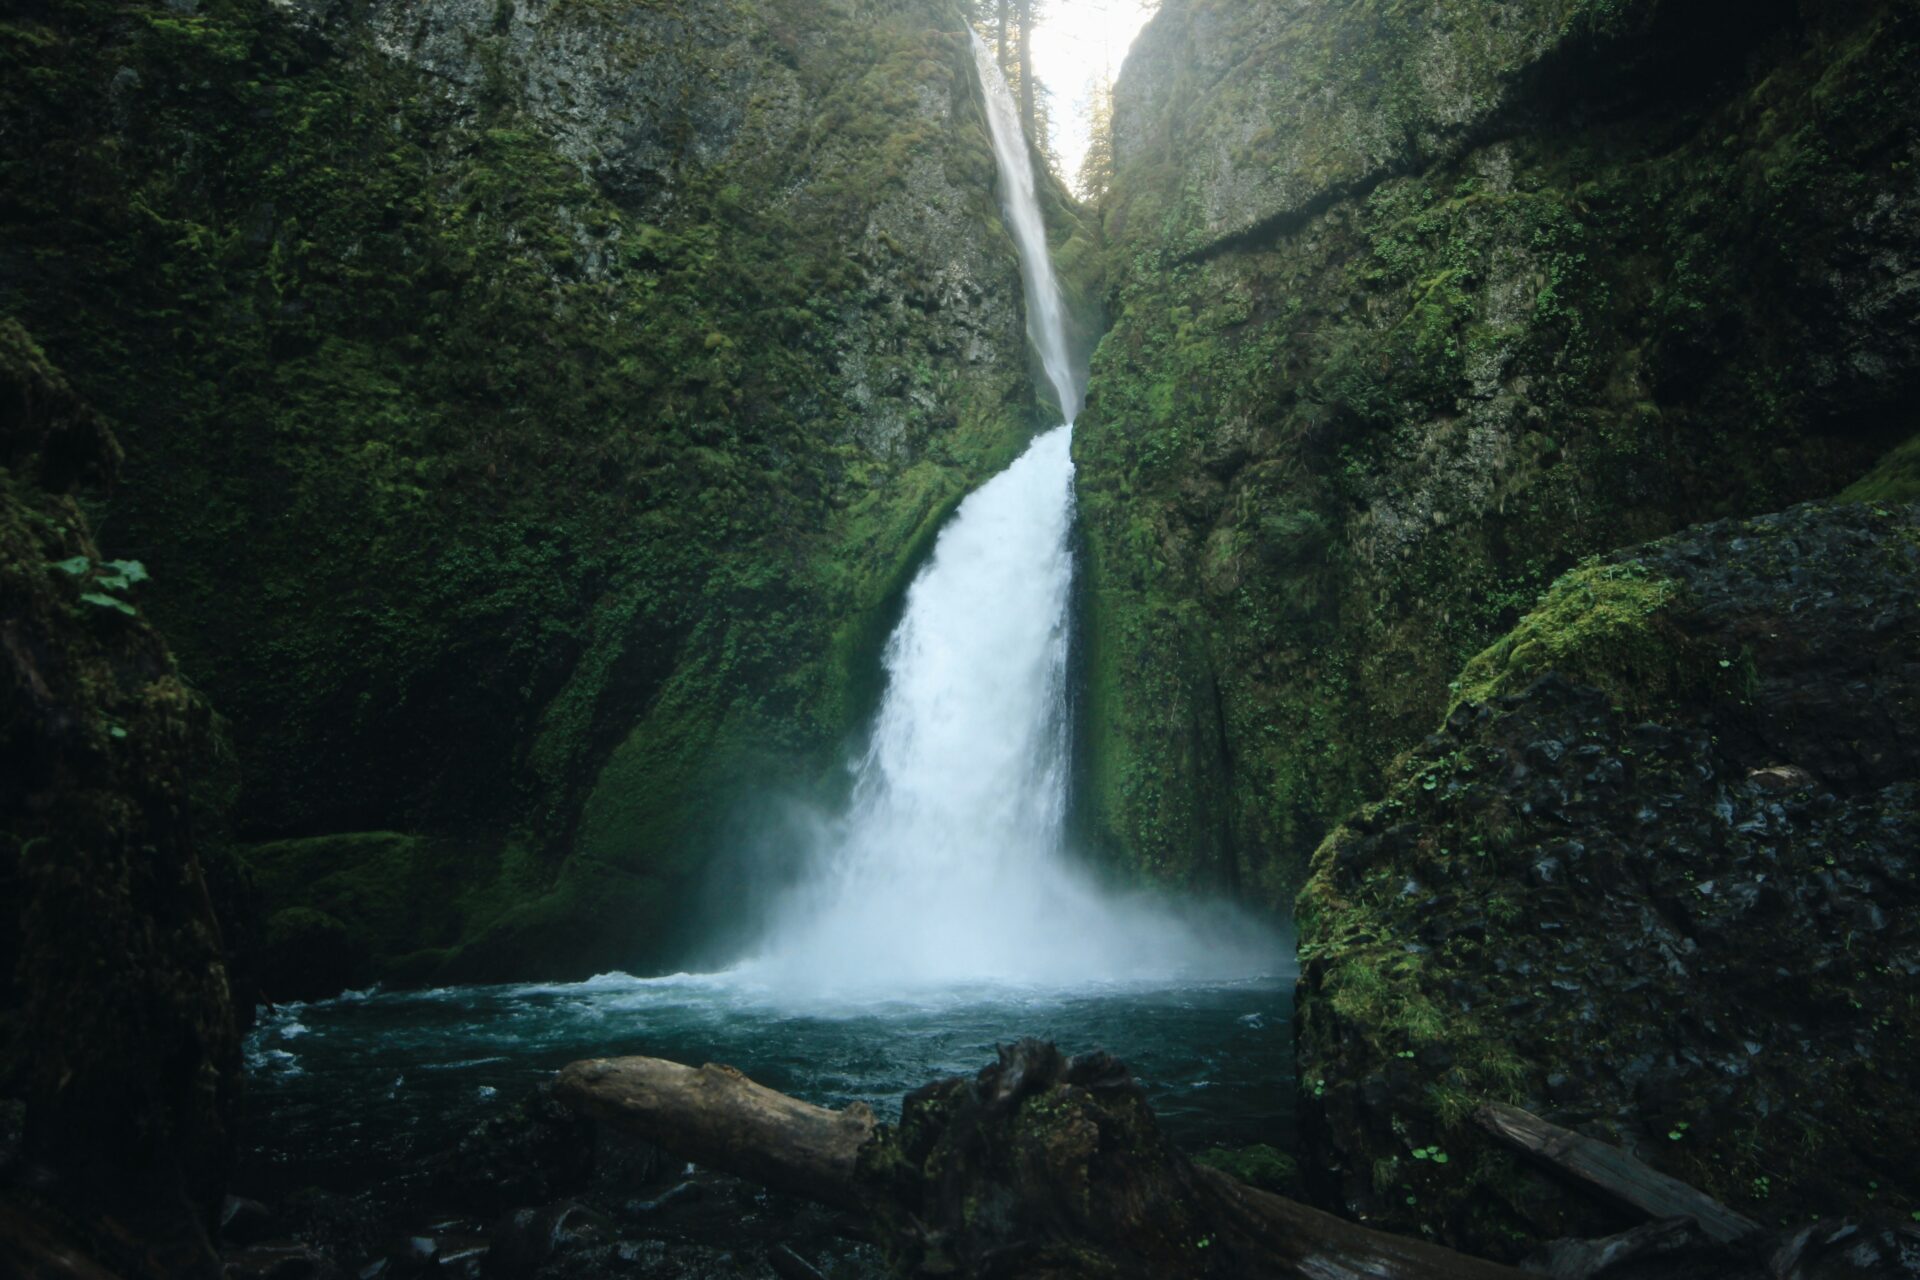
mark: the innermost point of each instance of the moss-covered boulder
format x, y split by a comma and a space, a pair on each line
1041, 1165
1415, 306
532, 410
117, 1032
1654, 880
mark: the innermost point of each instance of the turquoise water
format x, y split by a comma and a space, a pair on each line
346, 1094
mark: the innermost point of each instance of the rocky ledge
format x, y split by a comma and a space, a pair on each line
1656, 880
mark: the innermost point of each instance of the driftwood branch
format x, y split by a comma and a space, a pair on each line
1613, 1171
716, 1116
1304, 1241
1065, 1151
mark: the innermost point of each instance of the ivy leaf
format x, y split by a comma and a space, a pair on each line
76, 566
98, 600
131, 570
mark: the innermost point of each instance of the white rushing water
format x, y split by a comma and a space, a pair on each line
1020, 203
950, 866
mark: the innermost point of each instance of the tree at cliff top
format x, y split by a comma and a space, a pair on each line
1009, 30
1096, 169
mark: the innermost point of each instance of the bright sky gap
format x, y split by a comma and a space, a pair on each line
1074, 43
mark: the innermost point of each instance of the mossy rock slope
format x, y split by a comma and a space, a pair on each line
119, 1053
1655, 880
532, 410
1414, 306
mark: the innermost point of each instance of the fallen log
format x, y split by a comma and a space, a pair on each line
1039, 1167
715, 1116
1614, 1172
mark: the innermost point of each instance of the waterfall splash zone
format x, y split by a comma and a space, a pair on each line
950, 865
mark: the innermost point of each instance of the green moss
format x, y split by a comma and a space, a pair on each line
1492, 927
1896, 479
387, 894
1597, 626
1258, 1166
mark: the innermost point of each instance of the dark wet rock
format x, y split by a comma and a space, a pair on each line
679, 1193
284, 1260
309, 954
1675, 1249
1717, 973
1667, 1250
13, 1121
533, 1152
534, 1193
527, 1239
1844, 1251
347, 1230
789, 1265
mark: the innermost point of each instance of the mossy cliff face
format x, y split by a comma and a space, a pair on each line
530, 410
1413, 307
119, 1058
1655, 880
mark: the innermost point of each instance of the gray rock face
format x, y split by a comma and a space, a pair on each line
646, 100
630, 93
1263, 110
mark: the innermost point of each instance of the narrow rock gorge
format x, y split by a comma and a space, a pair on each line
576, 531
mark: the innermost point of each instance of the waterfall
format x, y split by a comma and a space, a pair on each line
950, 864
1020, 202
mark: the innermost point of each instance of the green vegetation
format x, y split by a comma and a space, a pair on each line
1258, 1166
1597, 626
1896, 479
1373, 383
